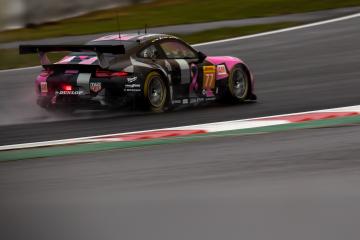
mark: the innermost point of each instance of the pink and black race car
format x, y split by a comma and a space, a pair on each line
157, 70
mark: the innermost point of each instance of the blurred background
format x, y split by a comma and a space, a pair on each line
51, 21
20, 13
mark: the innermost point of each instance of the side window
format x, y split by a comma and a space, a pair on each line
174, 49
149, 52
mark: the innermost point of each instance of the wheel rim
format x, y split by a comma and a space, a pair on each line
239, 83
156, 92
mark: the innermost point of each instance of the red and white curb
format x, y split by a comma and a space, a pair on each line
199, 129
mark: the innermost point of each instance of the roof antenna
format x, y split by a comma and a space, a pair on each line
118, 24
145, 28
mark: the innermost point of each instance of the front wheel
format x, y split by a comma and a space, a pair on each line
238, 85
156, 92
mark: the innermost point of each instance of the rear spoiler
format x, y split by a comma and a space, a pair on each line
28, 49
98, 49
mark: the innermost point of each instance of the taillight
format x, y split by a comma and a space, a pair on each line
67, 87
119, 74
104, 74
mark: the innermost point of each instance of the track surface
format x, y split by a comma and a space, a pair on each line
302, 70
291, 185
273, 186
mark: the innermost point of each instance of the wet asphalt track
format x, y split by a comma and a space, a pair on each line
292, 185
302, 70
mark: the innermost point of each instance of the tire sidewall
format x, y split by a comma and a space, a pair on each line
229, 86
149, 78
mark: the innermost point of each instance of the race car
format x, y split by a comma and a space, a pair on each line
158, 71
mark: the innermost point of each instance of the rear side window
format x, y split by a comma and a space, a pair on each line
174, 49
149, 52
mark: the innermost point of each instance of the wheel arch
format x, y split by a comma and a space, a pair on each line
249, 74
168, 100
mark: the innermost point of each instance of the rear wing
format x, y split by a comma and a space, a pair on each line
100, 50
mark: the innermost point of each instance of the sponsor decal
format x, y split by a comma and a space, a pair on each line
193, 100
185, 101
194, 76
221, 69
43, 87
132, 85
132, 79
132, 90
210, 99
135, 87
95, 86
209, 77
176, 102
69, 92
71, 71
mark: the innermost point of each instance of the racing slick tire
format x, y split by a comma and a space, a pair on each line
238, 85
156, 93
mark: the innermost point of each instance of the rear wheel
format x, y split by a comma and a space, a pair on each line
238, 84
156, 92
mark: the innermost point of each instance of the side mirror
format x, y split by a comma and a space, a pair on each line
201, 56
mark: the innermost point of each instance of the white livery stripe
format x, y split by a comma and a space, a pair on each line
185, 71
83, 81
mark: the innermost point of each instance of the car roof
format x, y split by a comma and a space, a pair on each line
141, 38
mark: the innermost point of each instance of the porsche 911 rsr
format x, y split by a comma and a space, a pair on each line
156, 70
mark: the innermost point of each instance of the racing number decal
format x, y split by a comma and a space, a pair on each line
209, 77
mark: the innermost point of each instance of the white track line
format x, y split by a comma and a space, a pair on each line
219, 126
19, 69
245, 37
281, 30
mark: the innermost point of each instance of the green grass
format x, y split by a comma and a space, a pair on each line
14, 60
10, 58
170, 12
